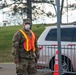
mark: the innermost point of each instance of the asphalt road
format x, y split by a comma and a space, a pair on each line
10, 69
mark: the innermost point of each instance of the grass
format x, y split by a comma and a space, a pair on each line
6, 34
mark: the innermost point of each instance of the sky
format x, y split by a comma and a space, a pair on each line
71, 14
67, 17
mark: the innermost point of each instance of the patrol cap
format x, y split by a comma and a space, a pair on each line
26, 20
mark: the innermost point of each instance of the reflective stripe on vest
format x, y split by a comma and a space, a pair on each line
29, 43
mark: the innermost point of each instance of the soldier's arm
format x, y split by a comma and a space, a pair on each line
37, 52
15, 45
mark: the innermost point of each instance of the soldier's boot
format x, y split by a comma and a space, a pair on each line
0, 67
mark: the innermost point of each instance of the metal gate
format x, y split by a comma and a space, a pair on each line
47, 58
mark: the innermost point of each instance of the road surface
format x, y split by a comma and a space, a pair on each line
9, 69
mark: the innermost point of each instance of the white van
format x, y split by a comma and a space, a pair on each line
47, 43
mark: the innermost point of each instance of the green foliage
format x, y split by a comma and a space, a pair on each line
6, 34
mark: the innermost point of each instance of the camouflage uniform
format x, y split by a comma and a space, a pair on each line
27, 63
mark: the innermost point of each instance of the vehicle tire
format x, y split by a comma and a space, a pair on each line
51, 64
66, 64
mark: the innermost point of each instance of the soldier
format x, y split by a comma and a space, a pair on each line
24, 49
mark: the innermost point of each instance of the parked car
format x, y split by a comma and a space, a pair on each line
47, 43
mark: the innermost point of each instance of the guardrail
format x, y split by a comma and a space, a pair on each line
47, 58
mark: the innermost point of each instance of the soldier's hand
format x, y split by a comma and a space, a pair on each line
36, 60
16, 61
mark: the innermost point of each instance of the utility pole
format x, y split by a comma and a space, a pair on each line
59, 37
61, 11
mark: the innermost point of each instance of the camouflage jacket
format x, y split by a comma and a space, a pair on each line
18, 49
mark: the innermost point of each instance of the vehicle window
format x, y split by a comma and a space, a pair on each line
67, 34
74, 36
52, 35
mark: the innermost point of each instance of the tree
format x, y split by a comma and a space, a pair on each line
19, 7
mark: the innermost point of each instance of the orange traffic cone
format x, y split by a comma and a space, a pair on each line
56, 64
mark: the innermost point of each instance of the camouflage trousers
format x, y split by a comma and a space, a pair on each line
26, 67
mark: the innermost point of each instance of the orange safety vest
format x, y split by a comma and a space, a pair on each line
29, 43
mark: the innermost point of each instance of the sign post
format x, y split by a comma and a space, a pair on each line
59, 36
